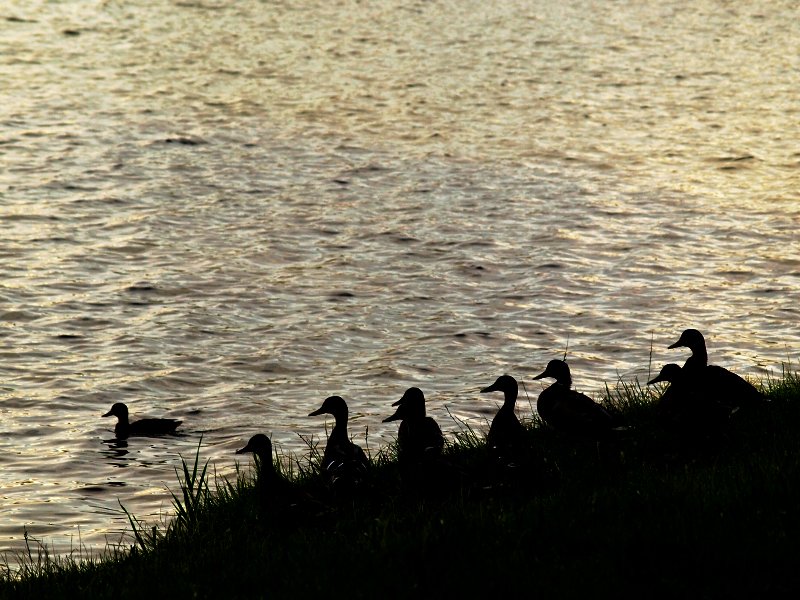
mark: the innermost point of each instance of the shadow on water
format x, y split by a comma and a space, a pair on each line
117, 452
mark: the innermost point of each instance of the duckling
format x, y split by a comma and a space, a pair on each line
505, 433
143, 427
419, 437
261, 446
684, 406
342, 457
728, 387
570, 411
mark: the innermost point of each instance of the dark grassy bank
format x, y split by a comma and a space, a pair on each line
648, 513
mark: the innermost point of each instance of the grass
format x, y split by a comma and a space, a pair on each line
647, 513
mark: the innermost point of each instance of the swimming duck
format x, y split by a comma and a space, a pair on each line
342, 457
261, 446
419, 437
124, 428
570, 411
683, 405
729, 388
505, 433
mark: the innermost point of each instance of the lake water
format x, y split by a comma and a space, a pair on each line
224, 212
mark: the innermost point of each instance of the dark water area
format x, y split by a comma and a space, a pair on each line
225, 212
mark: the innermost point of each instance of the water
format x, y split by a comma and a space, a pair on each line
224, 212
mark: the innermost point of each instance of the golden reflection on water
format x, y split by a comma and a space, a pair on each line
227, 214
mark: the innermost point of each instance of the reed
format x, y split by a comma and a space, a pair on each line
645, 512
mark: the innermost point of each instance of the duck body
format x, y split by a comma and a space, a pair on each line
685, 406
419, 437
724, 386
143, 427
282, 503
342, 458
567, 410
506, 432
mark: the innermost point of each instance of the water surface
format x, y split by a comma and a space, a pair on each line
224, 212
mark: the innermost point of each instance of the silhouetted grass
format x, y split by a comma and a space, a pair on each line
644, 513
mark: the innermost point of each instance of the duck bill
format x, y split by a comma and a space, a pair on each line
679, 344
317, 412
395, 417
492, 388
108, 414
656, 379
244, 450
542, 375
403, 399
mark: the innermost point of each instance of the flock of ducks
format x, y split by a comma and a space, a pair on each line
699, 396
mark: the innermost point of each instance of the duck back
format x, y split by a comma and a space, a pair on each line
689, 409
145, 427
419, 440
730, 388
572, 412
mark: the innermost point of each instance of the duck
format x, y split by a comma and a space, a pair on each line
683, 406
419, 437
694, 340
142, 427
670, 399
567, 410
342, 458
284, 503
261, 446
727, 387
505, 432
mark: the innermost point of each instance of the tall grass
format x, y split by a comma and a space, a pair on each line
643, 513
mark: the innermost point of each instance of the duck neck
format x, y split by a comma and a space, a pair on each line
416, 413
266, 464
510, 397
698, 359
340, 428
565, 380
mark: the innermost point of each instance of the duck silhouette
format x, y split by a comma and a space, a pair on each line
283, 503
142, 427
342, 458
694, 340
505, 432
419, 437
724, 386
261, 446
569, 411
683, 406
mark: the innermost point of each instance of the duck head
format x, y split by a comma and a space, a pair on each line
259, 444
558, 370
412, 395
411, 405
508, 385
692, 339
333, 405
504, 383
118, 410
669, 372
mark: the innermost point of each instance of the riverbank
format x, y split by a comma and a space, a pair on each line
649, 512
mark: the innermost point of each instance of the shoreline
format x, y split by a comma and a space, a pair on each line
649, 508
